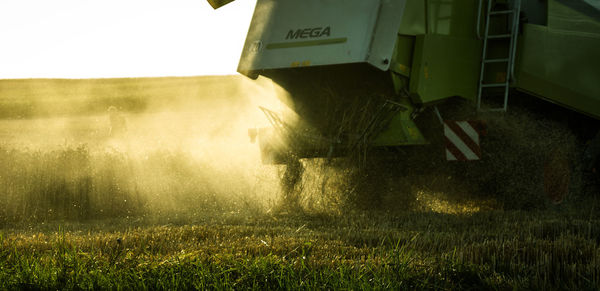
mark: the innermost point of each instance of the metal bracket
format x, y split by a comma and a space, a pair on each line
478, 28
437, 113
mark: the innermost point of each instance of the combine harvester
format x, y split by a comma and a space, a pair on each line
361, 72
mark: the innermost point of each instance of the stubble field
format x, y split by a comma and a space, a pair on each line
181, 201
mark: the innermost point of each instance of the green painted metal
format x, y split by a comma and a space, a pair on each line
413, 20
401, 130
559, 62
401, 62
560, 66
444, 66
572, 18
403, 55
437, 57
446, 17
216, 4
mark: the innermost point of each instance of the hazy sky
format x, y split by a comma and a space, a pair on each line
120, 38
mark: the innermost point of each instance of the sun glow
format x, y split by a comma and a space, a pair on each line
137, 38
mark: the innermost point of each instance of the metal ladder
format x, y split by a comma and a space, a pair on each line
512, 47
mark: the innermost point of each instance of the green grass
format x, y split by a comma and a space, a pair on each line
490, 250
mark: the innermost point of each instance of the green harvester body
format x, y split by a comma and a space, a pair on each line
419, 53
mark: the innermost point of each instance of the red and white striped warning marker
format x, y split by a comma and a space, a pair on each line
462, 140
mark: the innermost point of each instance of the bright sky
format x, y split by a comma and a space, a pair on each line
120, 38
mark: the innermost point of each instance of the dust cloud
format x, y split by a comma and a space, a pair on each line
164, 147
83, 149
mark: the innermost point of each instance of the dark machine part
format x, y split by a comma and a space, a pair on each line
330, 98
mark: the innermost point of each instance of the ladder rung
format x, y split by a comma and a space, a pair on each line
501, 12
495, 60
493, 85
498, 36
